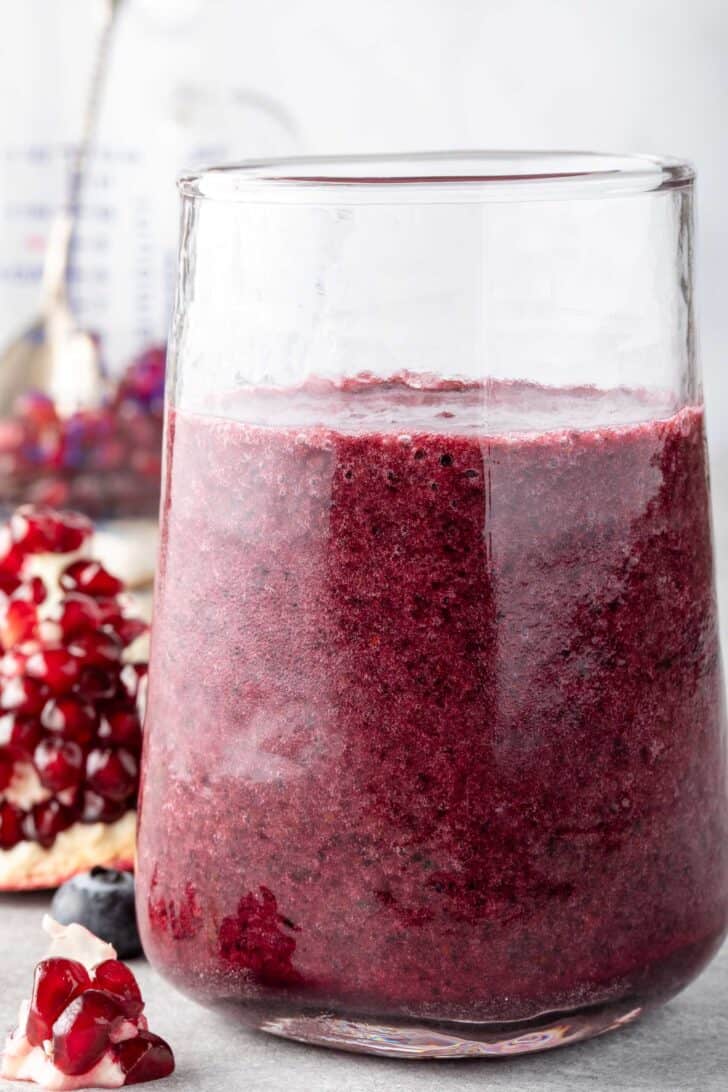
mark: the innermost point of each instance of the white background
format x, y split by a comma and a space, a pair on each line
338, 75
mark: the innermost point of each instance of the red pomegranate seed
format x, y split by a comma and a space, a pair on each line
8, 758
12, 556
96, 683
121, 726
115, 977
59, 763
129, 629
56, 983
23, 733
81, 1033
95, 809
22, 695
113, 773
18, 622
44, 530
45, 821
77, 612
99, 649
9, 583
31, 591
90, 577
56, 667
110, 608
70, 718
11, 826
146, 1057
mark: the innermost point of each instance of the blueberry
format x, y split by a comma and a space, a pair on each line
103, 901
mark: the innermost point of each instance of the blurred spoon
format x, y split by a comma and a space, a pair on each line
53, 354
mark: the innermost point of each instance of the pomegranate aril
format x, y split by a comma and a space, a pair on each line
146, 1057
59, 763
31, 591
112, 772
97, 809
19, 620
96, 683
121, 726
115, 977
23, 733
12, 556
9, 583
56, 983
56, 667
110, 609
23, 695
77, 612
128, 629
82, 1032
11, 825
70, 718
90, 577
98, 649
45, 821
8, 758
44, 530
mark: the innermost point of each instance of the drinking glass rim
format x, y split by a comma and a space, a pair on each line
430, 177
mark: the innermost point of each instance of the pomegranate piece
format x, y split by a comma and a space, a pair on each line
112, 772
90, 577
83, 1031
70, 734
115, 977
56, 983
56, 667
84, 1022
146, 1057
59, 763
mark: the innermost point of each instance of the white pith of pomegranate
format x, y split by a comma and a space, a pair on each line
84, 1025
71, 671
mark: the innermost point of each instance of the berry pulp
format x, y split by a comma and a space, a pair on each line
435, 724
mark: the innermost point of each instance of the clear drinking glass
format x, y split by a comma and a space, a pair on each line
435, 741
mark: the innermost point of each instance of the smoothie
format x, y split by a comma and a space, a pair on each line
435, 724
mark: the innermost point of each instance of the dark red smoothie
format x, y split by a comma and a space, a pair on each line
435, 725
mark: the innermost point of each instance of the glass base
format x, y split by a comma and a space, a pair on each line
452, 1039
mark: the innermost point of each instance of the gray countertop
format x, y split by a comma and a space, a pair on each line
681, 1047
